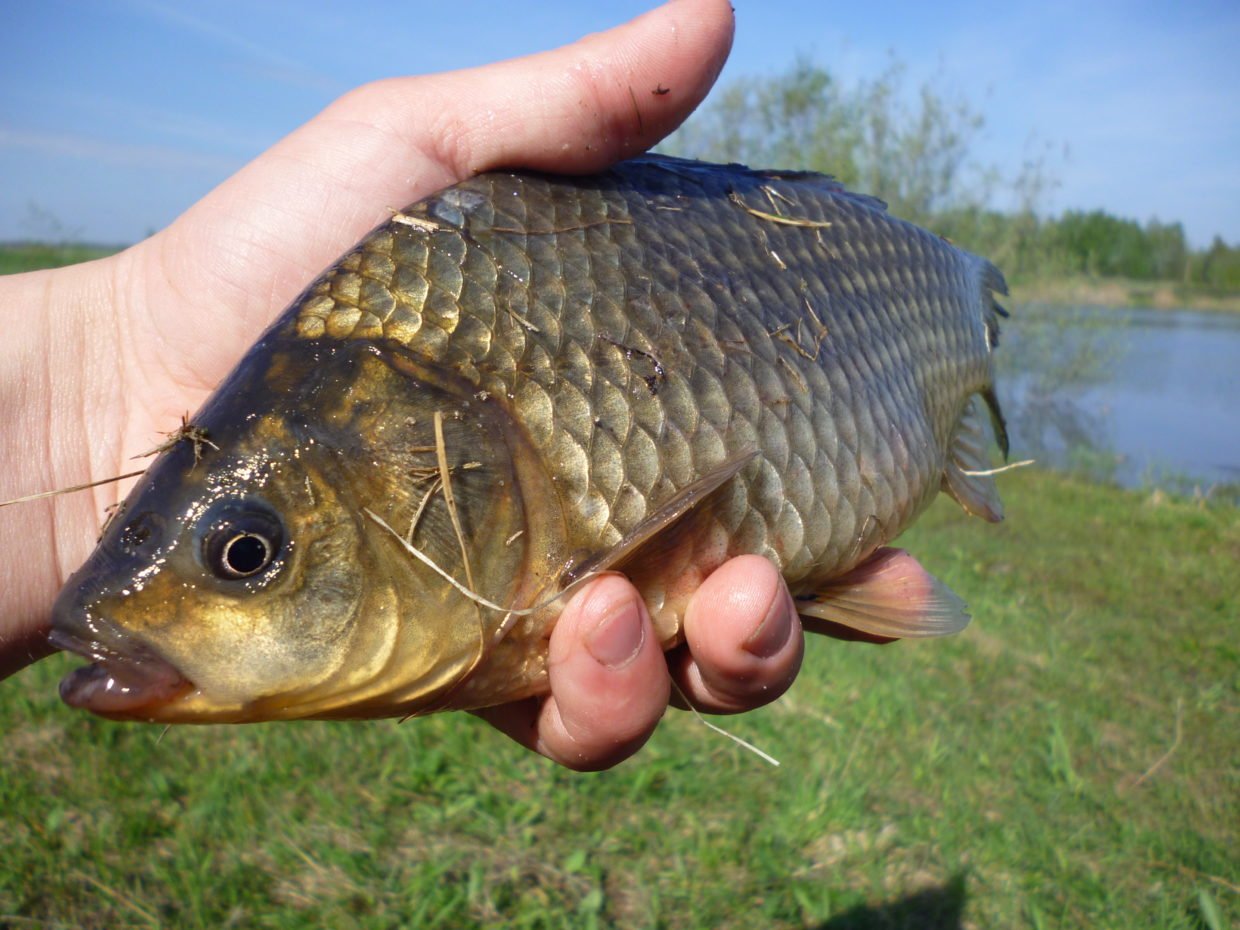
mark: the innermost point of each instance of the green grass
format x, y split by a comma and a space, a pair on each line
1009, 777
32, 256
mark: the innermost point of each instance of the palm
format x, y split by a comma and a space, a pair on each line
100, 360
206, 287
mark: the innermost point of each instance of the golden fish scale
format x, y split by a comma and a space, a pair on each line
644, 327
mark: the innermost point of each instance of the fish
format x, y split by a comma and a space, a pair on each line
521, 382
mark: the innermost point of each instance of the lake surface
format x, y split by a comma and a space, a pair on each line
1153, 396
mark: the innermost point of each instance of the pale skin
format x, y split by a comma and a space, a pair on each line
99, 360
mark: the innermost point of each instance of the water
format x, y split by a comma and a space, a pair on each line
1139, 396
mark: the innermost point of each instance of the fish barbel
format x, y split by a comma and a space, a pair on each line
521, 381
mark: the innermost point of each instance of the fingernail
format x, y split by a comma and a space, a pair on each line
773, 631
618, 637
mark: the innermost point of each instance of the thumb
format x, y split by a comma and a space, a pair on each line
574, 109
283, 217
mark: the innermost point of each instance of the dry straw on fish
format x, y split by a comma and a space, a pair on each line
445, 478
186, 431
777, 218
512, 613
1000, 470
474, 595
77, 487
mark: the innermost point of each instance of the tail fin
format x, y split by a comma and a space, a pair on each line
966, 476
993, 283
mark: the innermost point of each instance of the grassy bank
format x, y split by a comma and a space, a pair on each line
16, 257
1069, 761
1122, 292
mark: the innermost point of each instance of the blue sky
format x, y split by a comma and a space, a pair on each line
116, 115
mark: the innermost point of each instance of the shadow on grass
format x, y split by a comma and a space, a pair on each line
938, 908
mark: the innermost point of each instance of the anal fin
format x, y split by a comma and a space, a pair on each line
968, 458
889, 596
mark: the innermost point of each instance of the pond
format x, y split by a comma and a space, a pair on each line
1143, 397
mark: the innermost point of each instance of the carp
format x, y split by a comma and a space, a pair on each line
524, 380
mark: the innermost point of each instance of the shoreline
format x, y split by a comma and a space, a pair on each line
1122, 293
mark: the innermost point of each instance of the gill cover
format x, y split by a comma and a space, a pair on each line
255, 572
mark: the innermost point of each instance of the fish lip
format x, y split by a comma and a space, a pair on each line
130, 684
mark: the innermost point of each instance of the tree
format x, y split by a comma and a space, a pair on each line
913, 150
912, 155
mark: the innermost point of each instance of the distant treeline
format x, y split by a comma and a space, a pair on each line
914, 151
1091, 243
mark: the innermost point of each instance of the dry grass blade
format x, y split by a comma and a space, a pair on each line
473, 595
433, 566
764, 756
1175, 744
120, 898
417, 515
186, 431
445, 478
77, 487
776, 218
1196, 873
416, 222
1000, 470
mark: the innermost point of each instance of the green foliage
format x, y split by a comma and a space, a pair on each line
914, 150
1068, 761
1097, 243
1219, 266
17, 257
869, 136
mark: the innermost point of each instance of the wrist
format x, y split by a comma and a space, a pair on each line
54, 432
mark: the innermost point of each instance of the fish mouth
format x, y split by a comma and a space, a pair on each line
131, 685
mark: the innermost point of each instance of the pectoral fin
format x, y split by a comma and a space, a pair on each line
663, 530
969, 455
890, 596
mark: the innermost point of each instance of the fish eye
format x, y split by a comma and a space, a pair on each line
240, 539
244, 554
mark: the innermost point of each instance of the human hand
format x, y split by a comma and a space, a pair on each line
100, 358
610, 681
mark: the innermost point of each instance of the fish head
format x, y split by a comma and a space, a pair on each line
254, 573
